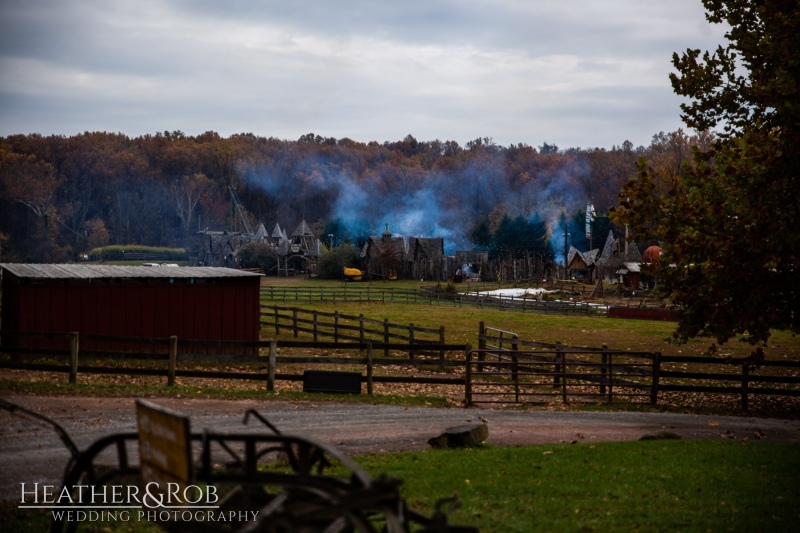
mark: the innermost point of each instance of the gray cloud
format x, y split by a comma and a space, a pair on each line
574, 73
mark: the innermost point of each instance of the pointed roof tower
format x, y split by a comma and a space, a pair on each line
261, 233
302, 230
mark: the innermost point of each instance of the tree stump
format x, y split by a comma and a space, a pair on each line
461, 436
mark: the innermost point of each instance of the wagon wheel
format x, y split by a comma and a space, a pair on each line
84, 471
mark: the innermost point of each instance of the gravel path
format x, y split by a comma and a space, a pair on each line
32, 452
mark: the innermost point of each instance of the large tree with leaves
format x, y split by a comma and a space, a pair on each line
729, 223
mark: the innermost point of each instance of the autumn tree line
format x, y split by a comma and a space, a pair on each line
724, 207
61, 197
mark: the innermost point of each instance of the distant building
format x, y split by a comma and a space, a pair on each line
581, 265
390, 257
384, 256
298, 253
619, 262
471, 264
425, 259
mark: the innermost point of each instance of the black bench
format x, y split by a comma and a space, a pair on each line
331, 381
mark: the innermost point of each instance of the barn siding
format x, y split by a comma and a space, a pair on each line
213, 308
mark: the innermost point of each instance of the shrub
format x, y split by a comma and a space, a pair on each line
255, 255
332, 262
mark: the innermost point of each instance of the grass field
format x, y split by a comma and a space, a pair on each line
632, 486
461, 325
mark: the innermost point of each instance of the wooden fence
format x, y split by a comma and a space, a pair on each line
476, 298
168, 358
502, 369
506, 369
729, 376
338, 326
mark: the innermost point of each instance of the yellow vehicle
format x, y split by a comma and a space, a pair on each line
353, 274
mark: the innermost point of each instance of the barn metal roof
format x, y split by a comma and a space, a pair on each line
77, 271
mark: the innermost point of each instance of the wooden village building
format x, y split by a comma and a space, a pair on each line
384, 257
581, 265
470, 265
221, 248
298, 253
425, 259
620, 262
192, 303
390, 257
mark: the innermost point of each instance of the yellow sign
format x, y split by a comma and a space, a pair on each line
165, 453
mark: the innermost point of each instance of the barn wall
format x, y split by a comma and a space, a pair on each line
218, 309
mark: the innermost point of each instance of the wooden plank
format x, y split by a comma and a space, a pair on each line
165, 453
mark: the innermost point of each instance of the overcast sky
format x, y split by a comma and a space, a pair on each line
575, 73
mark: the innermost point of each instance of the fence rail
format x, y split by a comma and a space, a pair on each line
504, 368
170, 358
475, 298
338, 326
587, 367
729, 376
514, 375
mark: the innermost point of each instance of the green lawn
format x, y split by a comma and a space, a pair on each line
628, 486
462, 324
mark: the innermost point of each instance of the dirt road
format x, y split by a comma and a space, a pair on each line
32, 452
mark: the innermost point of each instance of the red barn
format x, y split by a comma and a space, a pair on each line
200, 303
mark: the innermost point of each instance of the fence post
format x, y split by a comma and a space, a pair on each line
610, 378
386, 336
294, 322
74, 343
273, 351
336, 326
481, 344
564, 377
361, 328
277, 322
656, 375
468, 377
173, 360
315, 326
603, 369
369, 368
441, 341
411, 341
515, 367
557, 366
745, 384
